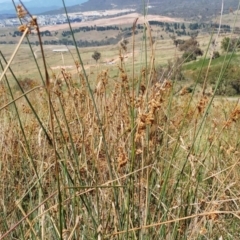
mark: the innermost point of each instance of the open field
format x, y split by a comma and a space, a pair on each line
105, 13
231, 19
164, 50
127, 19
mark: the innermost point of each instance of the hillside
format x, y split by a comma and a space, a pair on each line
185, 8
194, 9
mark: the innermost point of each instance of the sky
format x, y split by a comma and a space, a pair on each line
11, 1
1, 1
6, 6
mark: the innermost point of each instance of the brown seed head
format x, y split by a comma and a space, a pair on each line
21, 11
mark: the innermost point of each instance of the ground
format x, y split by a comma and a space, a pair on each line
121, 20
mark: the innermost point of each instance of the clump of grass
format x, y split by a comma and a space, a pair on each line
118, 159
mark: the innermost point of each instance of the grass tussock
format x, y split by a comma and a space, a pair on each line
130, 158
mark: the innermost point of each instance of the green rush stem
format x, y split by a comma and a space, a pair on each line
95, 107
57, 168
22, 129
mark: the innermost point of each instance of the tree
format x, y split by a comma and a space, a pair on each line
185, 45
188, 56
191, 49
96, 56
183, 27
228, 44
225, 44
215, 55
194, 26
178, 42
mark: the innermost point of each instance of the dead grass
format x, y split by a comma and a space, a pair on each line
164, 136
98, 157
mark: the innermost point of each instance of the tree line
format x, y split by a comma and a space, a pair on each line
68, 42
88, 29
46, 33
180, 28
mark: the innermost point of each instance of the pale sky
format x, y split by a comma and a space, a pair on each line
1, 1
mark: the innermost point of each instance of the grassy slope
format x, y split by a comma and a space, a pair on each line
205, 62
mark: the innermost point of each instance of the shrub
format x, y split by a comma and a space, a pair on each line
230, 84
188, 56
229, 45
172, 71
96, 56
26, 84
191, 50
215, 55
185, 45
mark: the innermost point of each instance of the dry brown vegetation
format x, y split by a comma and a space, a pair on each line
129, 158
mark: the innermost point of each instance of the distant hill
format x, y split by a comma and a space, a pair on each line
195, 9
36, 7
4, 16
178, 8
110, 4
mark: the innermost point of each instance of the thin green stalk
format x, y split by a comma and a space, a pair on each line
95, 107
23, 131
35, 60
29, 103
90, 91
57, 168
